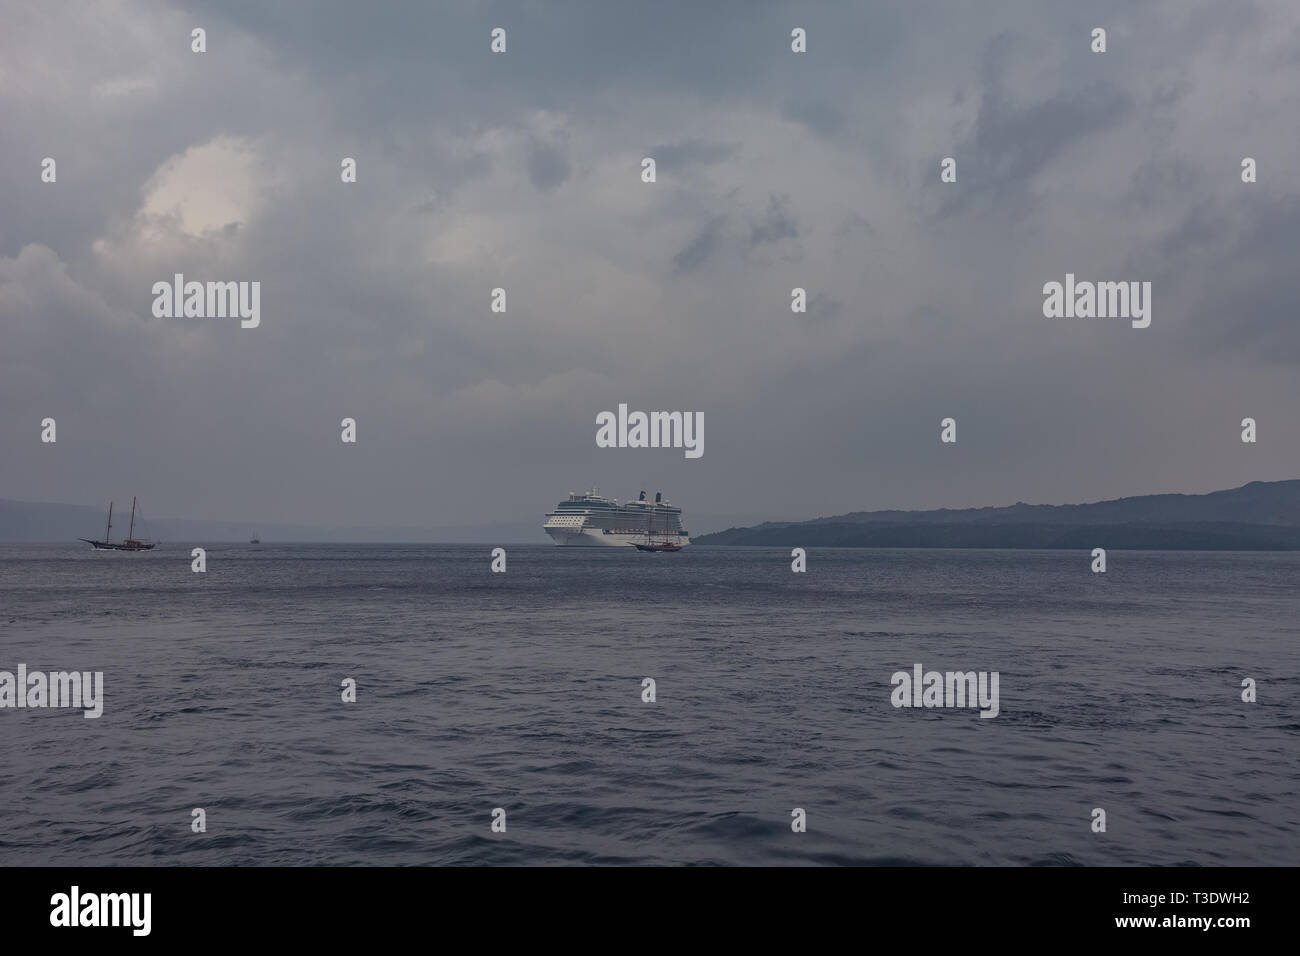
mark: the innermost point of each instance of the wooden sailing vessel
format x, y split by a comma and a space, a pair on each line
650, 544
129, 543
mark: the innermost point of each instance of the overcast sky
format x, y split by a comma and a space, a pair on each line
522, 170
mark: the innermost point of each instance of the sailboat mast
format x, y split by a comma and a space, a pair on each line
109, 527
131, 533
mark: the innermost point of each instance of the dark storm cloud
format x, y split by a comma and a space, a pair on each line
521, 171
1158, 183
1204, 227
1232, 262
778, 224
1014, 140
698, 251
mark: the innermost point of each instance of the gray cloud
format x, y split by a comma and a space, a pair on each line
692, 152
547, 165
822, 307
776, 225
777, 170
698, 251
823, 117
1014, 140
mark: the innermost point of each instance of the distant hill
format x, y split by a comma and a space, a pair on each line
1260, 516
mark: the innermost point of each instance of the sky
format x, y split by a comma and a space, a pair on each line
522, 170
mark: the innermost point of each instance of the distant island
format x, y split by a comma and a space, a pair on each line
1260, 516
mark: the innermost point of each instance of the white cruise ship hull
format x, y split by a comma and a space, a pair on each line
594, 538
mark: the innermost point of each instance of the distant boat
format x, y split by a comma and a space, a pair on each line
129, 543
254, 540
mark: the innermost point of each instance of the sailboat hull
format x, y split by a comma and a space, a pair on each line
119, 546
129, 543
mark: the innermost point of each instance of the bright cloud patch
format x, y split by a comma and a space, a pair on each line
207, 188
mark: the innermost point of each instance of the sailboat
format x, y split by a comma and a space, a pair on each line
129, 543
650, 543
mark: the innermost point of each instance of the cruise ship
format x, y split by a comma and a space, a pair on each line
591, 520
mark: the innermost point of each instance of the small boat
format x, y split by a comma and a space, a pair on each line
129, 543
665, 544
254, 540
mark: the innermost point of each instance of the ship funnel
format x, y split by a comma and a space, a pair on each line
642, 498
659, 496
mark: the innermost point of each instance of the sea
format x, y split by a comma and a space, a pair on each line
520, 699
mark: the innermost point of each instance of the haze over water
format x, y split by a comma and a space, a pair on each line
523, 690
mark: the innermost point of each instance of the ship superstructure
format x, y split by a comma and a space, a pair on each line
590, 520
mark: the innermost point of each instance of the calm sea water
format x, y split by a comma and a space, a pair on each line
523, 691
